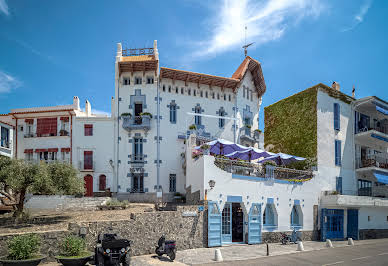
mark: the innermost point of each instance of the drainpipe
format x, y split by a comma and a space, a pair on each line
158, 135
235, 116
71, 138
117, 81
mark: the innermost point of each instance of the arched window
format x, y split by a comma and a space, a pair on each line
296, 216
270, 217
169, 88
198, 110
206, 94
176, 90
164, 88
230, 98
102, 183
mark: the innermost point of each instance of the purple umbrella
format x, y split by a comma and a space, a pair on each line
282, 159
250, 154
221, 147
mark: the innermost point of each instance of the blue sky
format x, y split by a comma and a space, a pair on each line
53, 50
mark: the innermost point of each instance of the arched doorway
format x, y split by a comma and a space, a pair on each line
88, 182
102, 183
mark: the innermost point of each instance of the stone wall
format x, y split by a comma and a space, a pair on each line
373, 233
276, 237
60, 203
149, 197
144, 229
193, 197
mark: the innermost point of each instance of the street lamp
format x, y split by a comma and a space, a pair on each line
212, 183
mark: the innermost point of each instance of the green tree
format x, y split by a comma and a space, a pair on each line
18, 177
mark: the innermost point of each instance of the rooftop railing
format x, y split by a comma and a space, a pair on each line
138, 51
259, 170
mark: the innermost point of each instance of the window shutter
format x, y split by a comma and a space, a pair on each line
337, 116
338, 186
338, 152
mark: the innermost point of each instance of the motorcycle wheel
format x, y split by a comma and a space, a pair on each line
99, 260
127, 260
158, 252
171, 255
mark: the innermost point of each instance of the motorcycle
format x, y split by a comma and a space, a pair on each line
294, 237
112, 250
166, 247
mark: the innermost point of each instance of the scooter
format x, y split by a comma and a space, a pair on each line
112, 250
294, 237
166, 247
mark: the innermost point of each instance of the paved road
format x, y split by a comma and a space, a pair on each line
370, 254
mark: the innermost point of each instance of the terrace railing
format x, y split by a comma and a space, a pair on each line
380, 161
259, 170
138, 51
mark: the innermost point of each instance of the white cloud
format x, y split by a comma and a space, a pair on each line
266, 20
359, 17
4, 7
8, 82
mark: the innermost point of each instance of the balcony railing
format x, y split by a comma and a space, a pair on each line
85, 166
380, 161
137, 158
5, 144
137, 190
381, 129
137, 122
258, 170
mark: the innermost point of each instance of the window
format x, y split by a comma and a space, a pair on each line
46, 127
337, 152
172, 183
201, 93
64, 131
269, 215
169, 88
173, 113
206, 94
213, 95
226, 219
194, 92
369, 219
88, 128
4, 141
102, 183
295, 217
138, 81
364, 187
218, 96
243, 92
88, 160
251, 96
176, 90
137, 149
338, 184
182, 91
221, 121
224, 97
127, 81
150, 80
164, 88
197, 117
29, 156
337, 116
189, 92
138, 183
230, 98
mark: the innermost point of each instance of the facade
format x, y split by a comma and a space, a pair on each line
346, 139
6, 136
157, 104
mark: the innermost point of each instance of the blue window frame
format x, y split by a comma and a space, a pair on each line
137, 149
295, 216
269, 216
338, 184
198, 121
173, 113
221, 121
337, 116
337, 152
172, 187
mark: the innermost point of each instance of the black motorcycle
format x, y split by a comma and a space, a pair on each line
112, 250
166, 247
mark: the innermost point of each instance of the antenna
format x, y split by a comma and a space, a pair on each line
246, 45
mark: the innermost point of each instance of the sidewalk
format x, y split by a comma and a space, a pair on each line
236, 252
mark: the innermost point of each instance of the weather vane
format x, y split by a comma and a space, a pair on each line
246, 45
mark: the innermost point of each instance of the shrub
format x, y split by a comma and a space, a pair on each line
192, 127
115, 202
126, 114
23, 247
205, 147
146, 114
72, 246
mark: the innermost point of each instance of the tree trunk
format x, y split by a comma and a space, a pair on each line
20, 205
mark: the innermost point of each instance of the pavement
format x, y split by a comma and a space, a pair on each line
372, 252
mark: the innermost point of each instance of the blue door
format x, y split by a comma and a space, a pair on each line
254, 224
227, 224
352, 225
214, 225
332, 224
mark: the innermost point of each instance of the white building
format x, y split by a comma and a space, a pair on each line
140, 163
6, 136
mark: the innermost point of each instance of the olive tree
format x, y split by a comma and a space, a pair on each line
18, 177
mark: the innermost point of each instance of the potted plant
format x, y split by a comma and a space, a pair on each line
23, 250
63, 132
192, 127
73, 252
205, 148
146, 114
129, 115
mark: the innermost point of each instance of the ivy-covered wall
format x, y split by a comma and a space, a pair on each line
291, 124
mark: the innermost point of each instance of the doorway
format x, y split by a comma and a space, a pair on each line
88, 179
237, 223
138, 111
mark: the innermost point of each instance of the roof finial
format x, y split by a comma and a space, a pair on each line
246, 45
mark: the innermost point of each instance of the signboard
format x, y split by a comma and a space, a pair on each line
189, 214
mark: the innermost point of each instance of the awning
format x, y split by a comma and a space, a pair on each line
382, 110
381, 178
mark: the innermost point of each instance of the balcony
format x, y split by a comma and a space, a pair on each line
373, 161
142, 122
86, 166
267, 172
137, 158
335, 201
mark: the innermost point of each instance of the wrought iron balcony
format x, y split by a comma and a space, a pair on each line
138, 122
379, 161
259, 170
381, 129
86, 166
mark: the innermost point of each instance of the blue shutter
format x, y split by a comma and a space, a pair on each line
254, 224
338, 185
337, 152
337, 116
214, 225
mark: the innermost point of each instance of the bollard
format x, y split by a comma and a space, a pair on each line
300, 246
350, 241
217, 255
328, 243
267, 249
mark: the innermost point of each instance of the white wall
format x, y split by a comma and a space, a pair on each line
326, 147
9, 152
378, 218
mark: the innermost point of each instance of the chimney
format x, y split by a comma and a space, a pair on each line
76, 102
119, 50
156, 52
335, 86
354, 92
88, 108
